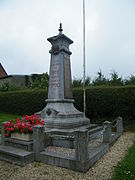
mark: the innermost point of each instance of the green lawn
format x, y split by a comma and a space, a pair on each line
6, 117
125, 170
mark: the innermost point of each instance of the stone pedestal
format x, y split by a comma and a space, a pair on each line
60, 112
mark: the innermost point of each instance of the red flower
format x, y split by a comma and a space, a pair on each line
23, 125
12, 129
6, 135
26, 117
30, 129
11, 120
6, 124
18, 120
12, 125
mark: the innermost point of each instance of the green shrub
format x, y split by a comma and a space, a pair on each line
106, 102
101, 102
22, 102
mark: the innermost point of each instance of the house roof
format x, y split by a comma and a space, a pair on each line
3, 73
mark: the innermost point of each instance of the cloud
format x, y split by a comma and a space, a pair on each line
26, 25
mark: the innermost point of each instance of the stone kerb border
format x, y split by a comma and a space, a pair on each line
83, 157
81, 143
108, 136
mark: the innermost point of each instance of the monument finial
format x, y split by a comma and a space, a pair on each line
60, 28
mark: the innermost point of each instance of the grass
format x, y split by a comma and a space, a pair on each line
6, 117
125, 170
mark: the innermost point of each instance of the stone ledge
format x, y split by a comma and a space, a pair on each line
25, 145
16, 156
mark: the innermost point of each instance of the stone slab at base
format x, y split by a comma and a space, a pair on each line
24, 145
16, 156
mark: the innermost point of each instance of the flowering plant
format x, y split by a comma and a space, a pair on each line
24, 125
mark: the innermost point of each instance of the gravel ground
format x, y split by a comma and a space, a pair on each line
102, 170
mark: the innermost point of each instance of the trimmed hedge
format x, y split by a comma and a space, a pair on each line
22, 102
100, 101
108, 102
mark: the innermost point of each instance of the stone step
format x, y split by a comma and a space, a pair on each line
15, 155
69, 132
25, 145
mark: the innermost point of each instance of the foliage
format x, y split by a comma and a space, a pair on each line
130, 80
27, 81
77, 83
126, 168
87, 81
100, 79
23, 102
40, 81
105, 101
24, 125
8, 87
101, 101
115, 79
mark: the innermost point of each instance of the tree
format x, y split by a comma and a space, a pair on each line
100, 79
130, 80
40, 80
77, 83
87, 81
115, 79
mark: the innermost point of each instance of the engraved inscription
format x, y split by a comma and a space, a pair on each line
55, 75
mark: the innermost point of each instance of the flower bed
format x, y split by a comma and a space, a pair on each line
24, 125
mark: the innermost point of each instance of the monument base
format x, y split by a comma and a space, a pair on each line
61, 114
62, 118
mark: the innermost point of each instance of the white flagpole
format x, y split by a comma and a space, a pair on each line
84, 94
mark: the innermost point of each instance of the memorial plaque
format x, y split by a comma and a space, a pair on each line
54, 79
54, 75
67, 78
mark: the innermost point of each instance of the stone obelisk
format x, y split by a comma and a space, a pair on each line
60, 112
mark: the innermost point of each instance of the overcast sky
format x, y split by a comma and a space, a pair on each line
25, 26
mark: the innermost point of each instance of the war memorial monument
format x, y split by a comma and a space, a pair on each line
68, 139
